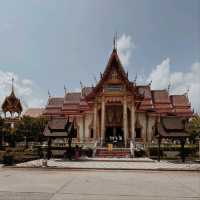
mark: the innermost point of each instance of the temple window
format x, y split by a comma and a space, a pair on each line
114, 75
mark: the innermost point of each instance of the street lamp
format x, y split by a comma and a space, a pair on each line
157, 133
69, 128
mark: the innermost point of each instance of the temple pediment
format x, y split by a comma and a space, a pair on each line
113, 79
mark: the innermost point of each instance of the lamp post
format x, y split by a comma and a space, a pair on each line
159, 143
183, 150
69, 128
158, 137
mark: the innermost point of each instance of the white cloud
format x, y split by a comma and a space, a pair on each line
124, 46
27, 82
25, 89
161, 76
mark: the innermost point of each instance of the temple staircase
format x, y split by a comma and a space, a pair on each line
114, 153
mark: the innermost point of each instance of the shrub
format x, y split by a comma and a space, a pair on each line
8, 158
140, 153
189, 150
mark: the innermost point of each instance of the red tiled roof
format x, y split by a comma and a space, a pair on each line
73, 97
57, 124
179, 100
173, 123
55, 101
181, 105
160, 96
172, 127
161, 101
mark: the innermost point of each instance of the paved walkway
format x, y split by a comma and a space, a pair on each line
31, 184
117, 165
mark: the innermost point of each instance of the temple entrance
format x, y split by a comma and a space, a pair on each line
115, 136
114, 125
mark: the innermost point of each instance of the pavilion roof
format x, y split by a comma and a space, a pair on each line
12, 103
172, 126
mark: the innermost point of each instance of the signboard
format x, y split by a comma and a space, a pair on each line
114, 88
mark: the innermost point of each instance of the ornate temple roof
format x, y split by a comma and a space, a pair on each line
158, 102
114, 64
11, 103
73, 97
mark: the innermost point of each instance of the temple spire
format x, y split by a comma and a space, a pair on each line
115, 41
12, 85
12, 88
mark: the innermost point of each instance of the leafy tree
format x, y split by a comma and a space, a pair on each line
194, 127
30, 129
6, 133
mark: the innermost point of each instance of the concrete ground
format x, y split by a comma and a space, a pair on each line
42, 184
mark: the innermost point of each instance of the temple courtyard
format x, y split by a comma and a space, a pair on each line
39, 184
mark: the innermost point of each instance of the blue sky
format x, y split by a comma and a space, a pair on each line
51, 43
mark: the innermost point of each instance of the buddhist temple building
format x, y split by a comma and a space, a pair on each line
117, 109
12, 107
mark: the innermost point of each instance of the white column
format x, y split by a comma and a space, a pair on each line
102, 120
95, 121
125, 122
